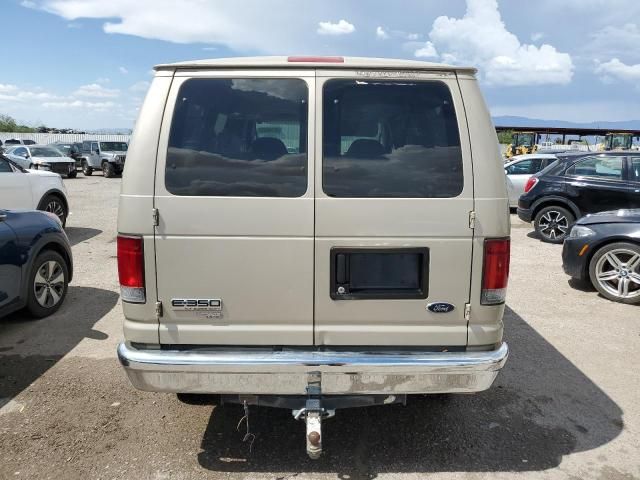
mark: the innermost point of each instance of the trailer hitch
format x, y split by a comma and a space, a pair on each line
313, 413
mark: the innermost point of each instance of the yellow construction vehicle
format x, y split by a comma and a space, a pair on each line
522, 143
617, 141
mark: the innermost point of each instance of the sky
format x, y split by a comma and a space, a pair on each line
87, 63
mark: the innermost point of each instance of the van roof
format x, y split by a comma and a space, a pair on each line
313, 62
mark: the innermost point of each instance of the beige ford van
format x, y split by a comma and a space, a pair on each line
313, 233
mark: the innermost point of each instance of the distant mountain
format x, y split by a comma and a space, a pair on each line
512, 121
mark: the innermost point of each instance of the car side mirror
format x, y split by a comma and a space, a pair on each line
96, 151
25, 154
506, 171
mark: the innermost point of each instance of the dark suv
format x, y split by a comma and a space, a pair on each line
578, 184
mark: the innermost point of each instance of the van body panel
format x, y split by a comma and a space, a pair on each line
252, 253
439, 224
275, 253
136, 206
491, 207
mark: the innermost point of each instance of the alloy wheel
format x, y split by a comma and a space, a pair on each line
618, 273
49, 284
54, 206
553, 224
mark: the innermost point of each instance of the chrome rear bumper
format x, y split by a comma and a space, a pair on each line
262, 372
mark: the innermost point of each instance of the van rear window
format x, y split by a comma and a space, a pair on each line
243, 137
390, 139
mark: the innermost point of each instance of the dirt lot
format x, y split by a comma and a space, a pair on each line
566, 405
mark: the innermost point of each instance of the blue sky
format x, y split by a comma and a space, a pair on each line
87, 64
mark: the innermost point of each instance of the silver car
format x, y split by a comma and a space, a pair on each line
42, 157
520, 168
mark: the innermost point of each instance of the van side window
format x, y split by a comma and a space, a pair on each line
390, 139
239, 137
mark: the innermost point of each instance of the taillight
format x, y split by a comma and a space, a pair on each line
530, 184
495, 274
131, 269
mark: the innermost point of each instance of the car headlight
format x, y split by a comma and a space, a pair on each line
579, 231
43, 166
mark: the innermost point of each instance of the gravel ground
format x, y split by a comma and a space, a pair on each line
565, 406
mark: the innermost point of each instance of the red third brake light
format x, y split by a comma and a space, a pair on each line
315, 59
530, 184
495, 273
131, 269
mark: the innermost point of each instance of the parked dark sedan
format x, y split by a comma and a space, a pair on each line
36, 265
70, 149
604, 248
577, 185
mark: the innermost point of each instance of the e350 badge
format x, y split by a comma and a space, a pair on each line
210, 307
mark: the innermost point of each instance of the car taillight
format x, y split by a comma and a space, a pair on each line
131, 269
495, 274
530, 184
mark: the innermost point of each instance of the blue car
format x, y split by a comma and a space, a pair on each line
36, 265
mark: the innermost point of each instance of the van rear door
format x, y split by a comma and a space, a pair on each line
394, 192
234, 241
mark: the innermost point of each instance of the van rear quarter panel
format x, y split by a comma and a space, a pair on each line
136, 205
491, 207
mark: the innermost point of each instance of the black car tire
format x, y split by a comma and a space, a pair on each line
73, 174
107, 170
86, 169
553, 223
54, 204
43, 260
609, 290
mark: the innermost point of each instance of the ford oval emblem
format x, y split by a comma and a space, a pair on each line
440, 307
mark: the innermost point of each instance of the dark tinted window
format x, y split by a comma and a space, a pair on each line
600, 166
239, 137
634, 174
4, 166
390, 139
525, 167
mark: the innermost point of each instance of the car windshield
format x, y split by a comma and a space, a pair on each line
64, 148
113, 146
46, 152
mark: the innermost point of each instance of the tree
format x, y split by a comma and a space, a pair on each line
8, 124
505, 137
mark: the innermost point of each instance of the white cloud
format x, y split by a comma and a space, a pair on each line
614, 69
615, 41
535, 36
427, 51
96, 90
123, 70
381, 33
480, 38
341, 28
98, 106
141, 86
7, 88
11, 93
